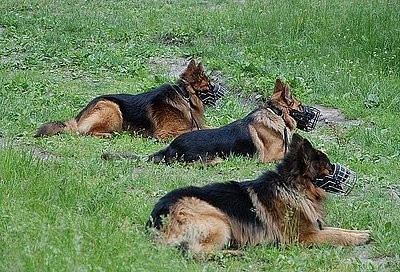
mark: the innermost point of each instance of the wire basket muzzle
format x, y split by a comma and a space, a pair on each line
341, 181
306, 119
210, 98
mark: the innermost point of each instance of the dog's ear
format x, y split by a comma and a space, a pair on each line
200, 67
301, 145
192, 65
187, 74
307, 146
296, 143
297, 138
308, 151
278, 86
287, 95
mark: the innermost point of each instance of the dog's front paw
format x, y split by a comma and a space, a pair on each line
362, 237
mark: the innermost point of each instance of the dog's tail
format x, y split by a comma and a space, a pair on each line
53, 128
119, 156
157, 157
166, 155
162, 156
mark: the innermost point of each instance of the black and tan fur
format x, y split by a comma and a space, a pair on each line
163, 113
280, 207
264, 133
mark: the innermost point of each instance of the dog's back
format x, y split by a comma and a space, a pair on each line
232, 198
206, 145
135, 108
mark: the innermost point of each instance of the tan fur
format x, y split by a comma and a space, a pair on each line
267, 132
286, 207
166, 123
196, 223
336, 236
283, 96
99, 120
205, 229
268, 129
272, 233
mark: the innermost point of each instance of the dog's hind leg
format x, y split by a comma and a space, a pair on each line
337, 236
101, 119
198, 226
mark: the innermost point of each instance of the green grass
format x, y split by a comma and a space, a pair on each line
77, 212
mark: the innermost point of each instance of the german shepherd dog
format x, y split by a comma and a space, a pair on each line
163, 113
280, 207
265, 132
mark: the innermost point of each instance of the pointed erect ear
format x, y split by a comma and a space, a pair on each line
278, 86
307, 144
200, 67
308, 149
297, 137
191, 65
296, 143
287, 95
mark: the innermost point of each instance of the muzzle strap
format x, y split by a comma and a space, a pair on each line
286, 139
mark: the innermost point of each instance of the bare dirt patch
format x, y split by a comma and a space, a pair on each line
175, 39
331, 116
380, 263
173, 66
43, 154
394, 192
2, 143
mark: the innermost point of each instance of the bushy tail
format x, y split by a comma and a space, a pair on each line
166, 155
53, 128
119, 156
162, 156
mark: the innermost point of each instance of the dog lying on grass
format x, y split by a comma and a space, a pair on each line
280, 207
163, 113
264, 133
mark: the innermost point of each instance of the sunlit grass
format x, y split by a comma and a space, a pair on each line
63, 208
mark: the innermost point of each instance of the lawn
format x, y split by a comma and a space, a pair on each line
63, 208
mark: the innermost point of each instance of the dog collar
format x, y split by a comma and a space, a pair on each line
182, 91
274, 108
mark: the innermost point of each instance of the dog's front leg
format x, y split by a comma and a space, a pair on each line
337, 236
163, 135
